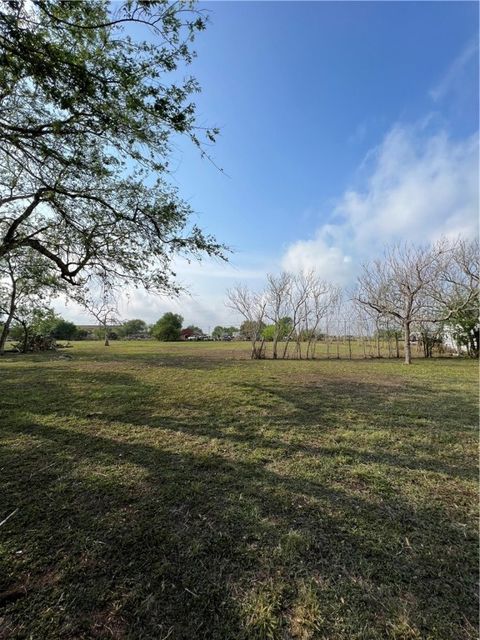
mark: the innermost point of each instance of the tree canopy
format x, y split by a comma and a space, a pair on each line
219, 331
132, 327
168, 327
88, 106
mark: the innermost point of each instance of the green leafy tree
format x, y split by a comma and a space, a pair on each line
280, 330
47, 323
64, 330
268, 332
284, 327
168, 327
217, 332
465, 327
89, 103
44, 321
220, 331
132, 327
109, 334
250, 328
31, 321
231, 331
27, 283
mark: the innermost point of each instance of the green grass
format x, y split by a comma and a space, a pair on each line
186, 492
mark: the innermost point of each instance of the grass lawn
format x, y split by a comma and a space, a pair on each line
179, 491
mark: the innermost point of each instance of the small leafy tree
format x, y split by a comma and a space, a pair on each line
44, 322
465, 327
168, 327
27, 283
220, 331
268, 332
31, 321
132, 327
64, 330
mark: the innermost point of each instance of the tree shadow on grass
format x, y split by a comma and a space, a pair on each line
153, 526
307, 411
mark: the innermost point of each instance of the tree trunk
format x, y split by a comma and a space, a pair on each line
11, 312
257, 353
25, 337
262, 348
275, 342
106, 342
408, 351
3, 337
310, 348
289, 337
5, 330
397, 347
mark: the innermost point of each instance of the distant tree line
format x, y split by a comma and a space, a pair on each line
415, 293
423, 295
35, 327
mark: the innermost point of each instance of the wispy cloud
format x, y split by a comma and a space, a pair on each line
454, 77
359, 134
418, 186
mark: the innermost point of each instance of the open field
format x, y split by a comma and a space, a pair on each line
179, 491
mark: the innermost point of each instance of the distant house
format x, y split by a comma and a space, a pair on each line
140, 335
190, 334
89, 331
451, 343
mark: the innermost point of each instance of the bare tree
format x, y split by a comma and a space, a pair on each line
399, 286
277, 296
102, 306
323, 296
252, 307
456, 288
297, 297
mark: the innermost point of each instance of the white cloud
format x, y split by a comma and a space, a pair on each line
324, 253
418, 187
454, 77
203, 306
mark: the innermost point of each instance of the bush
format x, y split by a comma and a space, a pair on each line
168, 327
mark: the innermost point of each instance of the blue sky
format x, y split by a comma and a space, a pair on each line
344, 126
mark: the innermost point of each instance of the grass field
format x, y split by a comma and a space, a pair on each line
179, 491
